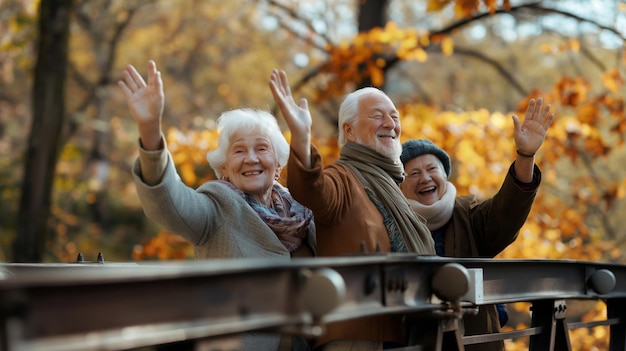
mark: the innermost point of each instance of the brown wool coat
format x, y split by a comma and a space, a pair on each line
346, 221
345, 218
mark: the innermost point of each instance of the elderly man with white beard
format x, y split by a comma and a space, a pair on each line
356, 201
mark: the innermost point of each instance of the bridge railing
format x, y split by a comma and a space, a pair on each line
121, 306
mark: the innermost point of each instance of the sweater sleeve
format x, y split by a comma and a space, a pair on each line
170, 202
151, 164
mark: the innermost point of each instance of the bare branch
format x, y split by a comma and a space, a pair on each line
293, 15
106, 71
496, 65
537, 7
589, 55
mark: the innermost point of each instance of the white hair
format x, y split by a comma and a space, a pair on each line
234, 121
349, 109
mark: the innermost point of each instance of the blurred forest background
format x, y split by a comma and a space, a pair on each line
457, 70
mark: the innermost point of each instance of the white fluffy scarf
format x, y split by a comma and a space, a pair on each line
438, 213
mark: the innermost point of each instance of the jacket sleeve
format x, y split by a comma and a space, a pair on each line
496, 222
325, 191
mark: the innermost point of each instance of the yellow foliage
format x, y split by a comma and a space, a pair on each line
571, 91
424, 39
447, 46
377, 75
408, 43
465, 8
164, 246
588, 113
547, 48
574, 45
613, 80
347, 59
437, 5
187, 172
418, 55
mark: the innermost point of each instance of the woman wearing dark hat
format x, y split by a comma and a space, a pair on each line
462, 226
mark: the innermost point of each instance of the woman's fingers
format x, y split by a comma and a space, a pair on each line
124, 88
285, 83
136, 80
153, 74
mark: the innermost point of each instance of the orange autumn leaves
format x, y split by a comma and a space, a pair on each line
366, 55
466, 8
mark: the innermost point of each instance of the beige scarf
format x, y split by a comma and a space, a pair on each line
382, 175
439, 213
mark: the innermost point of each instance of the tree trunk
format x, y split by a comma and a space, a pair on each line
372, 14
43, 142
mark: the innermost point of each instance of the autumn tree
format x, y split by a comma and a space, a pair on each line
210, 51
44, 140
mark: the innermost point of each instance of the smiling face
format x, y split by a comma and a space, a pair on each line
425, 181
377, 125
251, 164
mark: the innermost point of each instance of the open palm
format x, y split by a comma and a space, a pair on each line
297, 116
530, 134
145, 101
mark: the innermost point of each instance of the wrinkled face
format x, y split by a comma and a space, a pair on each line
251, 164
425, 181
377, 125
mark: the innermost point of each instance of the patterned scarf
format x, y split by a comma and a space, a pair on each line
380, 176
287, 218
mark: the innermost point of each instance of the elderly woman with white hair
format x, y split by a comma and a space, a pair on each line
244, 214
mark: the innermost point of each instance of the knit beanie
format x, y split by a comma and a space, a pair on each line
418, 147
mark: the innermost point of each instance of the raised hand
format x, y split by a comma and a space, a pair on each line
530, 134
146, 102
297, 116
